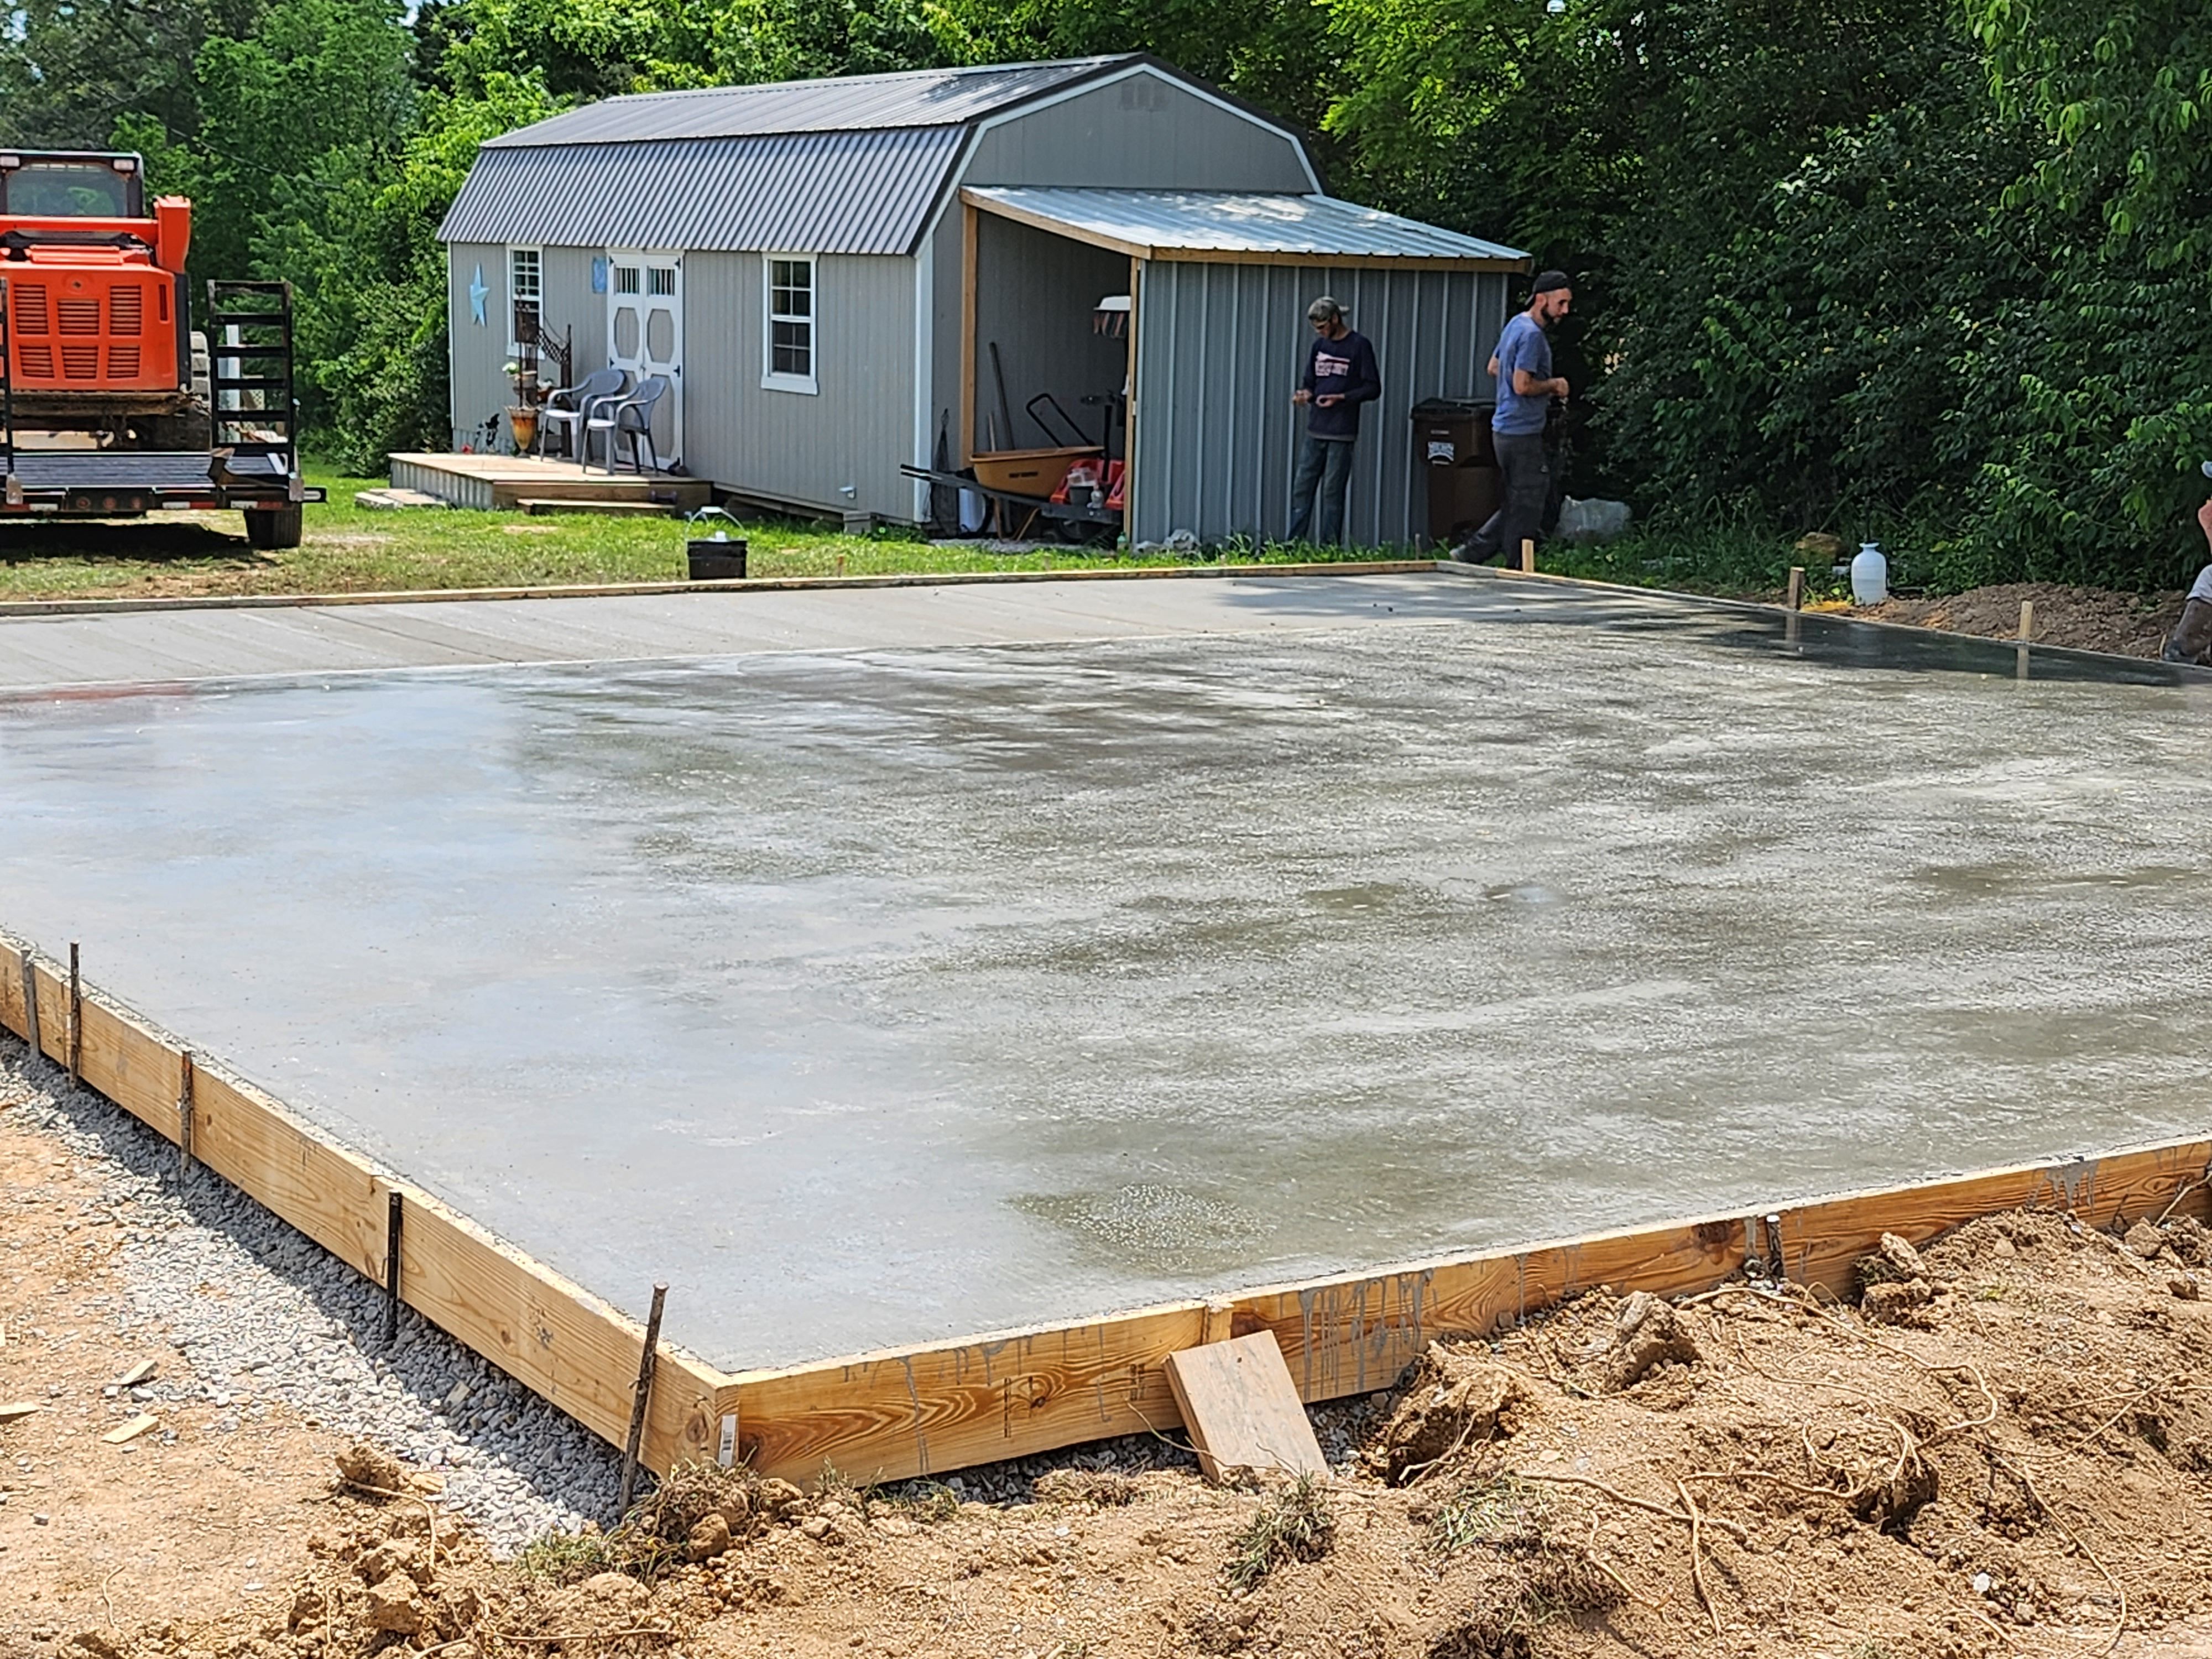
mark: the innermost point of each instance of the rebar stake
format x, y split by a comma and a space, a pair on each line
394, 1210
185, 1116
31, 1006
640, 1402
76, 1019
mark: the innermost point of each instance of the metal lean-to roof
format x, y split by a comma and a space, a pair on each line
1152, 224
918, 98
828, 193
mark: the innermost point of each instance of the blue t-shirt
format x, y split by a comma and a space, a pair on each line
1523, 345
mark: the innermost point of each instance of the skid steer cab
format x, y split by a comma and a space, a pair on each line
115, 399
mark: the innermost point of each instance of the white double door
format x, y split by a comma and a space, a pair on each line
645, 335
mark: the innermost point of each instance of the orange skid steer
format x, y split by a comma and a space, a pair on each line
112, 403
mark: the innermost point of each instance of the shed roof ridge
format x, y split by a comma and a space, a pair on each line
560, 127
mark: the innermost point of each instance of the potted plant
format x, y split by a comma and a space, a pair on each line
522, 413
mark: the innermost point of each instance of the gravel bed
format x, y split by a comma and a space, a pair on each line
292, 1324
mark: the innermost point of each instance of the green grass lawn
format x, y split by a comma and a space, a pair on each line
350, 549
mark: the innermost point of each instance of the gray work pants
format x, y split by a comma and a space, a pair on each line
1525, 485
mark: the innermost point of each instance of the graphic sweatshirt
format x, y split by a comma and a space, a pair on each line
1343, 368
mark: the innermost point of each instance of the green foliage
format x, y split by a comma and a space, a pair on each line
1923, 270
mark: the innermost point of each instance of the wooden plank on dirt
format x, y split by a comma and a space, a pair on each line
123, 1433
1242, 1409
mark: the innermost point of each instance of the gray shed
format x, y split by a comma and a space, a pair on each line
822, 270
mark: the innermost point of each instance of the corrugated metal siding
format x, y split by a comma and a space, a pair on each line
1220, 350
835, 193
918, 98
480, 387
1034, 296
1141, 132
1235, 221
786, 445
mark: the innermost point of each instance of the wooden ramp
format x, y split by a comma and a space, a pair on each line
524, 484
936, 1407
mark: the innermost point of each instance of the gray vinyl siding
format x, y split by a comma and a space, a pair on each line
1141, 132
1034, 296
786, 447
479, 353
572, 308
481, 388
1220, 347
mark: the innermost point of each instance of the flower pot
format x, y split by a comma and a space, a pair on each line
522, 422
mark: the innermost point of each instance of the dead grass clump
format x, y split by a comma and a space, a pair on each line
1553, 1581
696, 1514
1099, 1489
1297, 1524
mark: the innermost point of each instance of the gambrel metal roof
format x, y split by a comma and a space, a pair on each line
853, 164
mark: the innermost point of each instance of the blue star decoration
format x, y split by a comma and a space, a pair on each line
478, 293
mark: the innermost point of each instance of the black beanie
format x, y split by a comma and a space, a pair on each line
1550, 282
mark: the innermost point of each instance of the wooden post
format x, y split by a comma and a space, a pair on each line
1528, 558
640, 1401
185, 1116
394, 1213
31, 1005
2026, 620
76, 1019
968, 240
1797, 600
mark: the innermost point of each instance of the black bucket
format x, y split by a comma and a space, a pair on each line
717, 561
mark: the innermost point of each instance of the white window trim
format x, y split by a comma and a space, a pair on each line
770, 380
513, 345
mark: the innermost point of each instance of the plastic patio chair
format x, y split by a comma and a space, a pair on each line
628, 417
566, 411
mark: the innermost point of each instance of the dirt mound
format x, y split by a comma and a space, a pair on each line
2082, 619
1454, 1397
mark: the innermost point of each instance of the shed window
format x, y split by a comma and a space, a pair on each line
525, 293
626, 279
790, 335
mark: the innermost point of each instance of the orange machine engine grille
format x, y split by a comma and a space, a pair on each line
91, 336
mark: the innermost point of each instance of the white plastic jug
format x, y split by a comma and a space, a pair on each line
1869, 575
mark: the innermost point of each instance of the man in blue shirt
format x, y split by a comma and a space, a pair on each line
1340, 375
1526, 385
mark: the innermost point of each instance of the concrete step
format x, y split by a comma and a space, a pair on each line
388, 498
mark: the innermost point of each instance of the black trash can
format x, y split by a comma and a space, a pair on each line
1455, 469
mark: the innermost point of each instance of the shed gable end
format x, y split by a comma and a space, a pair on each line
1141, 130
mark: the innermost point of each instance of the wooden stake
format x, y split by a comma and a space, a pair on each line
1528, 558
640, 1401
1797, 600
31, 1006
395, 1208
185, 1116
76, 1019
2026, 620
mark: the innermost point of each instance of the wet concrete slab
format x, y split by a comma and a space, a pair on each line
907, 990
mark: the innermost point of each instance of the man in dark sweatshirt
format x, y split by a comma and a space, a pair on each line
1340, 375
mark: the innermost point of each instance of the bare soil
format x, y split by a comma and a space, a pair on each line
2080, 618
2006, 1451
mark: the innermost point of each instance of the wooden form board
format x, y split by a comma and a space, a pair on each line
934, 1408
1241, 1408
552, 1335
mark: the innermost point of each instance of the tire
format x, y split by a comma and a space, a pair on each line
270, 529
190, 433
